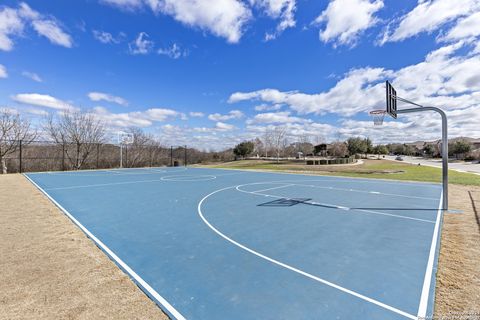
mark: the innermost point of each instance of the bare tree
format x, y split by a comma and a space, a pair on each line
338, 149
320, 139
267, 140
258, 147
138, 151
80, 130
13, 129
279, 141
304, 145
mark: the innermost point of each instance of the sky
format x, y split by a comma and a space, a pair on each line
211, 74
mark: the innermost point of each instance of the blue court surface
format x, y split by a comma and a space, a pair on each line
230, 244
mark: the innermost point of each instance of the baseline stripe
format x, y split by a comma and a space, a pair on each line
422, 308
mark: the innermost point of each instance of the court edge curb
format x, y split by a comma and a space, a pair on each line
150, 292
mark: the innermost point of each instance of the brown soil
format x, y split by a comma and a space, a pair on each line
458, 276
50, 270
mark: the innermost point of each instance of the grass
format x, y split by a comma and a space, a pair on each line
377, 169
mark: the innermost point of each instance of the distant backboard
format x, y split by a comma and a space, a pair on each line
391, 100
125, 138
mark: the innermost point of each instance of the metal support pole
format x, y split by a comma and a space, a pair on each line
121, 156
126, 155
98, 151
444, 148
20, 156
63, 156
171, 156
185, 161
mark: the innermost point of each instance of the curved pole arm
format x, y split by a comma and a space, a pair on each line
444, 147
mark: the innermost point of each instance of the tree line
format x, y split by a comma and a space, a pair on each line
268, 147
80, 140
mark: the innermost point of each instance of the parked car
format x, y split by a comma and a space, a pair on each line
399, 158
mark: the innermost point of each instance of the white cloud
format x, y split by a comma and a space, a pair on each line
13, 22
345, 20
37, 112
224, 126
196, 114
465, 28
278, 9
100, 96
32, 75
267, 107
447, 78
234, 114
224, 18
52, 31
141, 45
43, 100
359, 89
106, 37
161, 114
141, 119
123, 120
277, 117
26, 12
173, 52
124, 4
3, 71
427, 16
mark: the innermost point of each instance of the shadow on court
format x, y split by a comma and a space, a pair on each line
287, 202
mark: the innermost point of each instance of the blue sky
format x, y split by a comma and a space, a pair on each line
211, 74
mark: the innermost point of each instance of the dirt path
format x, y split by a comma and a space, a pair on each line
50, 270
458, 276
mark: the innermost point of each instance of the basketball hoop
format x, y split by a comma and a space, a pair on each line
378, 116
125, 138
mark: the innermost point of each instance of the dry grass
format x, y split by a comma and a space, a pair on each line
458, 276
51, 270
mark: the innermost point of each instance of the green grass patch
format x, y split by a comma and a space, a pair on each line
376, 169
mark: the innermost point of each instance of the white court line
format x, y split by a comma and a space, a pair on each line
422, 309
179, 178
274, 188
104, 184
164, 303
372, 192
337, 206
345, 179
286, 266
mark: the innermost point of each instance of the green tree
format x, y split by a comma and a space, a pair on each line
429, 150
356, 145
244, 148
380, 149
368, 146
461, 147
399, 149
409, 150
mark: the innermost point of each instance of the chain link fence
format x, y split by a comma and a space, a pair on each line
51, 156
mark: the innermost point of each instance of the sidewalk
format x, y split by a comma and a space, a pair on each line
461, 167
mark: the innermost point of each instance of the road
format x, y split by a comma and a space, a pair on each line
462, 167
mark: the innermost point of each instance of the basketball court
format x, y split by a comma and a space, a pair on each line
211, 243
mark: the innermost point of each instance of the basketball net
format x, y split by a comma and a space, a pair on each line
378, 116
